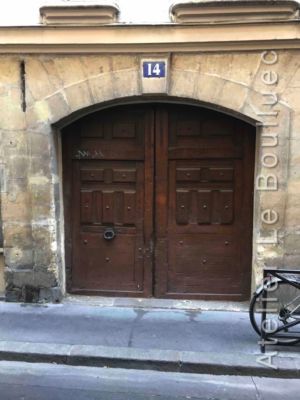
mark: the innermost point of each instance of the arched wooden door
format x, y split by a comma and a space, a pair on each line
158, 202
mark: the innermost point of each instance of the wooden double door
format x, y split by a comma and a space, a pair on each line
158, 202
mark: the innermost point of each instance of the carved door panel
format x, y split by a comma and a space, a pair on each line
159, 202
111, 173
204, 205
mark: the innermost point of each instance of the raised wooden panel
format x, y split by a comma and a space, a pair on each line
129, 204
182, 206
98, 207
109, 265
124, 175
217, 127
102, 207
212, 207
86, 207
190, 256
124, 130
108, 194
226, 198
204, 206
200, 134
93, 127
221, 174
108, 205
111, 135
204, 265
92, 175
204, 174
188, 128
204, 192
187, 174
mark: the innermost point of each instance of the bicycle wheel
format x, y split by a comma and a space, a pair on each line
282, 307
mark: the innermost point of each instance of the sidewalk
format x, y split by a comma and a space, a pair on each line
219, 342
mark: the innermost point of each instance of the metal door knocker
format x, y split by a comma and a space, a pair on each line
109, 234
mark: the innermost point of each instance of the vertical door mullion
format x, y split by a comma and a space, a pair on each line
149, 204
161, 200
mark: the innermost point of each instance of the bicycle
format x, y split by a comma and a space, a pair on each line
275, 307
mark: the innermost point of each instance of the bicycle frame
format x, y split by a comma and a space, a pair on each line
280, 275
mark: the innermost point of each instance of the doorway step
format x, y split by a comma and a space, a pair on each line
154, 303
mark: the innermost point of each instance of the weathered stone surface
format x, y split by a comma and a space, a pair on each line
231, 67
52, 294
40, 148
17, 234
292, 261
9, 70
96, 65
182, 84
41, 196
292, 243
31, 277
101, 87
43, 236
41, 86
125, 83
16, 208
184, 63
38, 115
281, 65
18, 257
79, 96
58, 106
48, 63
121, 62
70, 70
237, 101
14, 143
58, 86
291, 98
11, 115
18, 168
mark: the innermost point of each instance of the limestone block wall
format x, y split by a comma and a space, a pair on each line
260, 87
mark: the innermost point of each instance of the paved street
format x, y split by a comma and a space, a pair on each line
217, 342
128, 327
22, 381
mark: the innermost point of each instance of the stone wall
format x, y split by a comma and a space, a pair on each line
61, 88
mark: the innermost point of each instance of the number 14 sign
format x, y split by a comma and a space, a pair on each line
154, 69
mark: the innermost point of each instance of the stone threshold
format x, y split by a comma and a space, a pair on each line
152, 303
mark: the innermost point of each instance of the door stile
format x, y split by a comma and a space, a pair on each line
247, 210
149, 205
161, 202
68, 173
78, 270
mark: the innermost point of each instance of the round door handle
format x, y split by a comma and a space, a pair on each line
109, 234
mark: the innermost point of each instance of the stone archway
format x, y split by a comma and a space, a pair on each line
69, 87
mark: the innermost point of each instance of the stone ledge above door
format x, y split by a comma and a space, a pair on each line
233, 11
81, 13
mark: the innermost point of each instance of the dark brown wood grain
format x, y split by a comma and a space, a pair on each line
176, 185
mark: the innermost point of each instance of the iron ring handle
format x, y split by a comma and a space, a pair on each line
109, 234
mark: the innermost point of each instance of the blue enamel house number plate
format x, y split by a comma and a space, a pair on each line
154, 69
